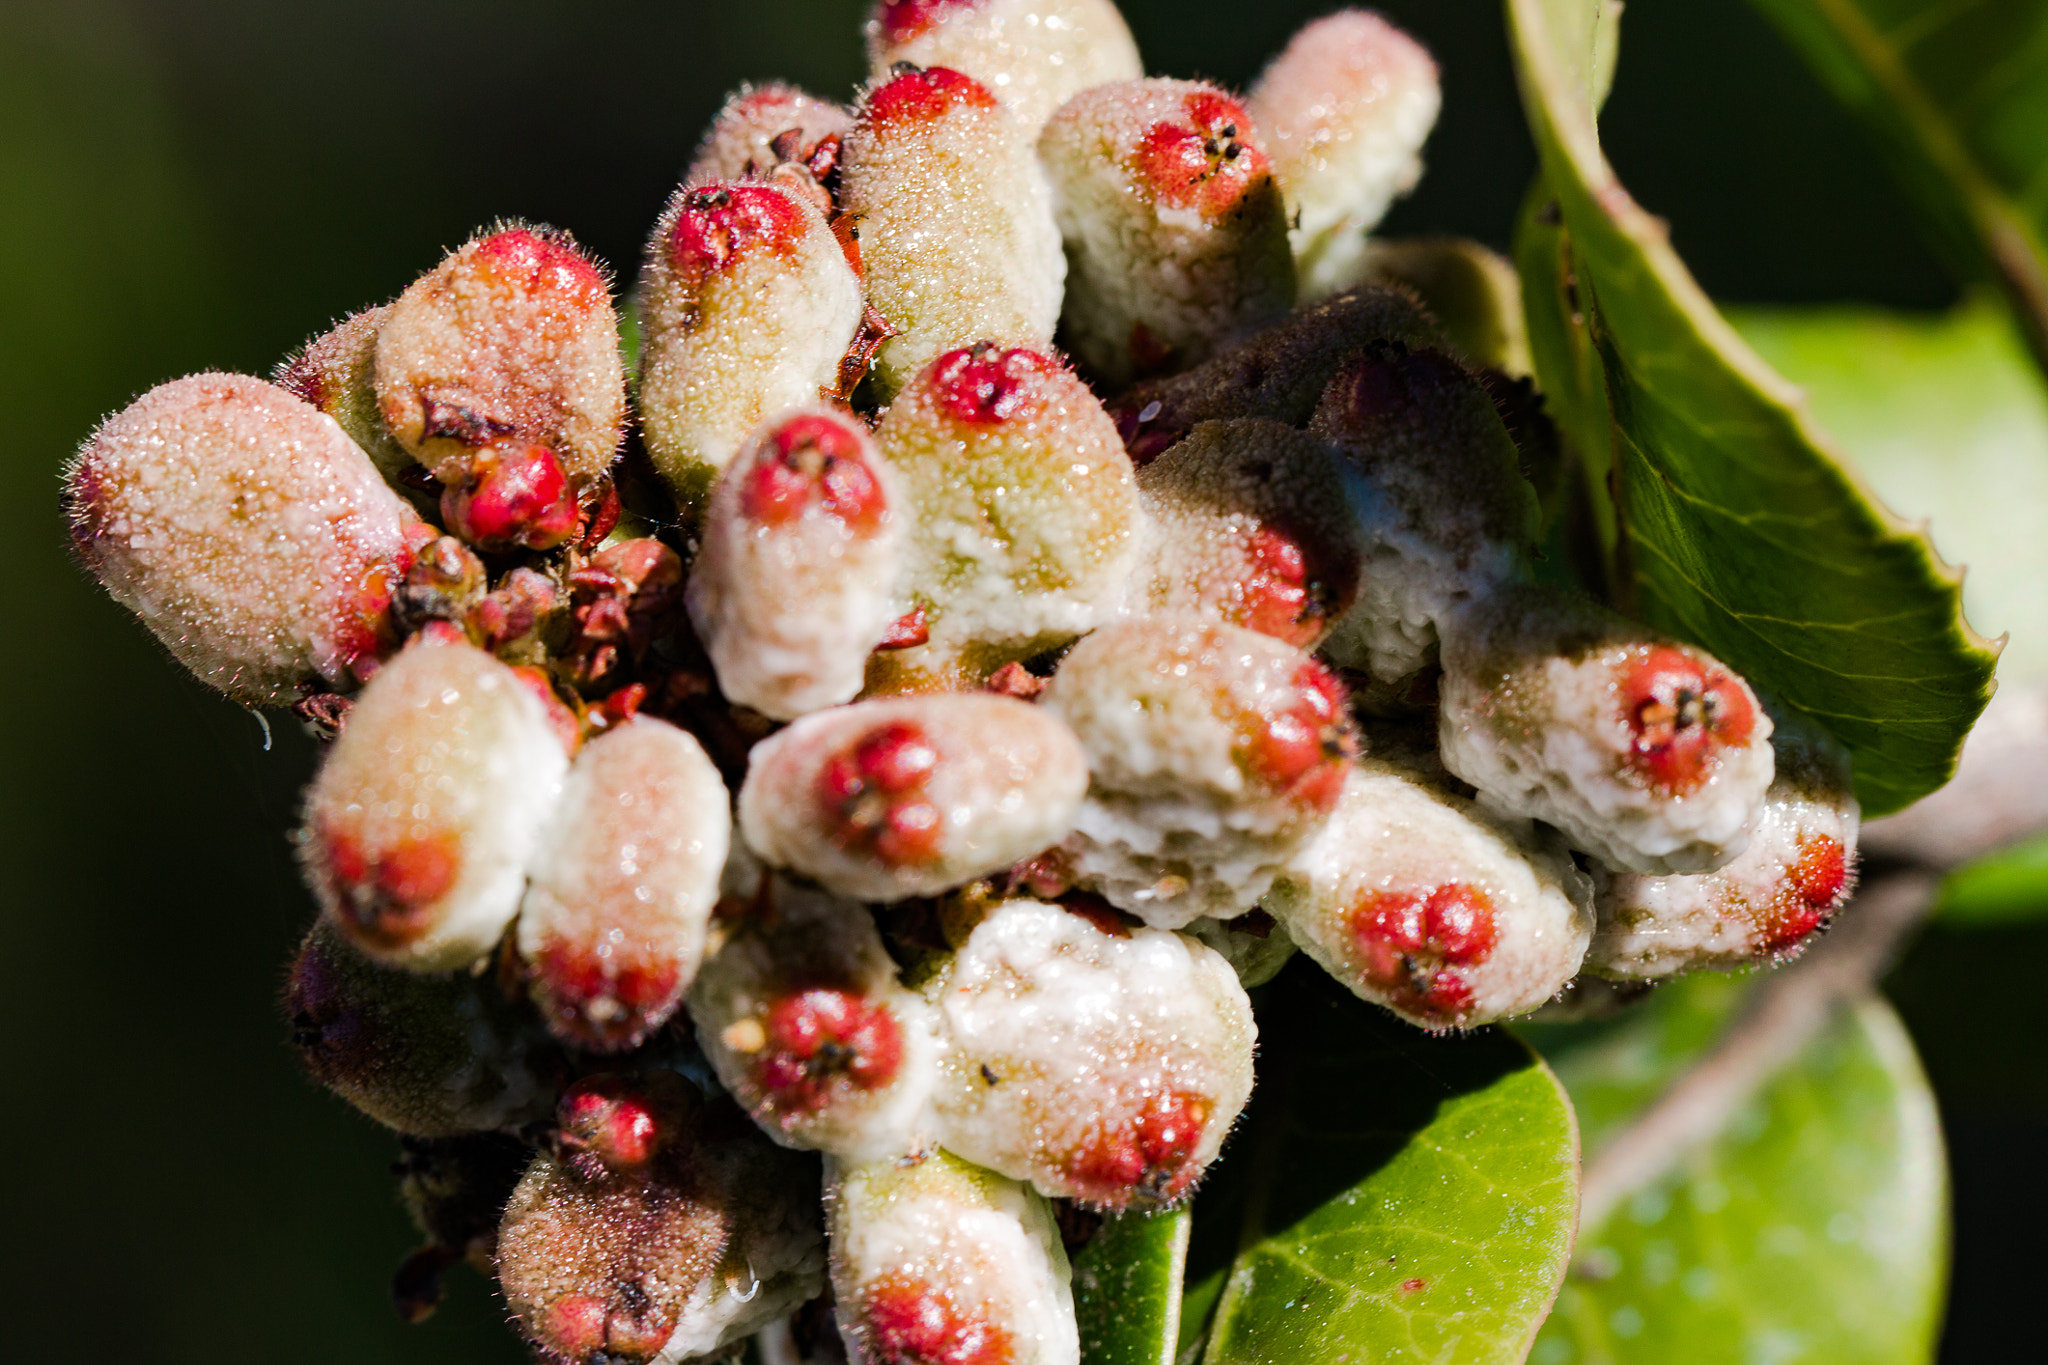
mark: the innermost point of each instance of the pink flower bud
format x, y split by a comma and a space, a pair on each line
956, 225
1650, 755
337, 373
714, 1236
252, 537
612, 926
511, 496
1033, 54
1096, 1065
794, 585
1798, 870
1446, 516
1175, 229
1279, 373
429, 1055
934, 1260
1252, 525
883, 800
801, 1014
1212, 752
1345, 109
419, 824
512, 337
607, 1125
748, 305
765, 126
1026, 508
1424, 903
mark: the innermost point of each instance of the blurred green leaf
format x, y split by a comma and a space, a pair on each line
1945, 416
1396, 1196
1957, 94
1127, 1293
2008, 887
1737, 528
1814, 1228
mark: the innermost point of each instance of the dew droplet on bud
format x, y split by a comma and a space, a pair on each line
419, 825
883, 800
955, 220
1121, 1059
936, 1262
613, 924
794, 585
512, 337
1345, 110
1197, 795
1174, 227
252, 537
748, 305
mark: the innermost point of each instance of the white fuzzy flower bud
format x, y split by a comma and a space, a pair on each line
748, 304
613, 923
1650, 755
1096, 1062
764, 126
955, 220
1426, 904
1213, 752
884, 800
252, 537
337, 373
419, 824
794, 584
1345, 110
1033, 54
937, 1260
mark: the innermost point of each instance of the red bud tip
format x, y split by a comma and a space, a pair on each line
543, 266
877, 787
915, 1322
387, 898
1409, 939
1681, 711
1201, 160
903, 20
607, 1127
821, 1036
514, 496
719, 222
1301, 747
817, 460
1151, 1155
984, 384
921, 94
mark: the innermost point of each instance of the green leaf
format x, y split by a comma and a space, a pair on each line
2009, 887
1127, 1289
1814, 1228
1397, 1196
1736, 526
1957, 94
1944, 414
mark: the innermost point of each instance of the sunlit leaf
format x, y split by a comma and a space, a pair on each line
1127, 1289
1736, 527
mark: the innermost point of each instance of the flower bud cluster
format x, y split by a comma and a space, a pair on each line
1030, 629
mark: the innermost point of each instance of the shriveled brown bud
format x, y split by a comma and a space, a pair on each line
1034, 54
512, 339
716, 1235
1345, 110
1026, 511
1175, 230
612, 926
252, 537
431, 1055
796, 580
955, 220
883, 800
1252, 524
419, 825
1446, 517
1213, 752
748, 304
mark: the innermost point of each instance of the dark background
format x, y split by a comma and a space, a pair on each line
199, 185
